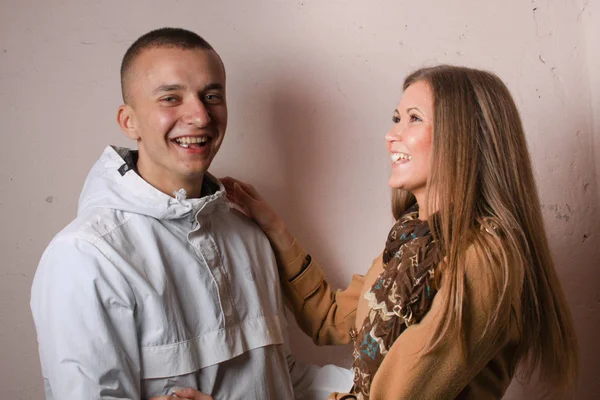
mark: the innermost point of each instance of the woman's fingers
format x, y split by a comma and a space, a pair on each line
242, 194
232, 196
254, 206
245, 196
230, 183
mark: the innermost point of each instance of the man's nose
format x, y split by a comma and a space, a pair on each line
197, 113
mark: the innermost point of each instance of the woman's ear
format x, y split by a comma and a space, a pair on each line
127, 122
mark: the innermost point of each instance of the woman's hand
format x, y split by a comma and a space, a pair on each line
189, 393
252, 203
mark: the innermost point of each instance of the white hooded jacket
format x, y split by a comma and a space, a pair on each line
143, 293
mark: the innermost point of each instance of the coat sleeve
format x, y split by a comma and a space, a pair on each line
83, 311
326, 315
409, 373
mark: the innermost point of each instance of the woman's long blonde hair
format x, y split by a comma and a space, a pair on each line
483, 180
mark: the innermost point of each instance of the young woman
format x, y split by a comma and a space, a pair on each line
465, 292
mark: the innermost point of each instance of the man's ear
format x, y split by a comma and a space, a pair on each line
127, 121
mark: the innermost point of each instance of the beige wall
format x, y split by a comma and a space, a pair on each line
311, 88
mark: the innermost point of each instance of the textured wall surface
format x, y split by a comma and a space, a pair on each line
311, 86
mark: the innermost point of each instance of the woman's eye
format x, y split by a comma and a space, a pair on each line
396, 119
415, 118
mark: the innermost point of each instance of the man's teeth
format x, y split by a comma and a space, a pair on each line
186, 141
400, 156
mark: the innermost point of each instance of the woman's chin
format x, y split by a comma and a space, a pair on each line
395, 183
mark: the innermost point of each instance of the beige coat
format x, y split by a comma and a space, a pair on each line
482, 372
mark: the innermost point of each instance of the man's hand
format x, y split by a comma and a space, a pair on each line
189, 393
341, 396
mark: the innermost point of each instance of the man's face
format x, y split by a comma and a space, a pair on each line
177, 114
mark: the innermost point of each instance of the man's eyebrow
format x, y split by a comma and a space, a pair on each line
175, 87
214, 86
168, 88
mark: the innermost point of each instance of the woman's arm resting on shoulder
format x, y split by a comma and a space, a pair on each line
325, 314
322, 313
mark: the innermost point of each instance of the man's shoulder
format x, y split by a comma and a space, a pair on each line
83, 248
93, 224
241, 221
90, 234
75, 267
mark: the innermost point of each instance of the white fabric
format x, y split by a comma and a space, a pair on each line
143, 293
330, 378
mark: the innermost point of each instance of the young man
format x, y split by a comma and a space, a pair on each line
158, 284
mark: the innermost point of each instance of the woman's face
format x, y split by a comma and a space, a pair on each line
409, 140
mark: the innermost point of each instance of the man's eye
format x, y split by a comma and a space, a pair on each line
169, 99
213, 98
396, 119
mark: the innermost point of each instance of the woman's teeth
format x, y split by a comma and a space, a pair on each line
400, 156
186, 141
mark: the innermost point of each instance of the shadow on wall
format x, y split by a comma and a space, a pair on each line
575, 244
299, 131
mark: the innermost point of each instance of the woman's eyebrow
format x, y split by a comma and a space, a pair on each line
414, 108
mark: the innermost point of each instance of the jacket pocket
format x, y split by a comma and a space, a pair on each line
210, 348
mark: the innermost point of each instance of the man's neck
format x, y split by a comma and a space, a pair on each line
166, 183
193, 190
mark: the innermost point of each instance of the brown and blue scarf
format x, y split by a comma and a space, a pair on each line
400, 296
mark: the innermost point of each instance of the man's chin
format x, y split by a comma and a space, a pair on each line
194, 175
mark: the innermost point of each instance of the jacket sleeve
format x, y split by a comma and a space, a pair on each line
327, 316
409, 373
312, 382
83, 311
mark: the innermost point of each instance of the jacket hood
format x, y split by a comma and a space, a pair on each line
113, 183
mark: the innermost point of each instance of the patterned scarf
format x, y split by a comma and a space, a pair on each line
400, 297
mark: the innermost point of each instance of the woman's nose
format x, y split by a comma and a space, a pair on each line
394, 134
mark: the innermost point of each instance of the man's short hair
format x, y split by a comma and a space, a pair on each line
164, 37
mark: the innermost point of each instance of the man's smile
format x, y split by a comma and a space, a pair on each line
194, 142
